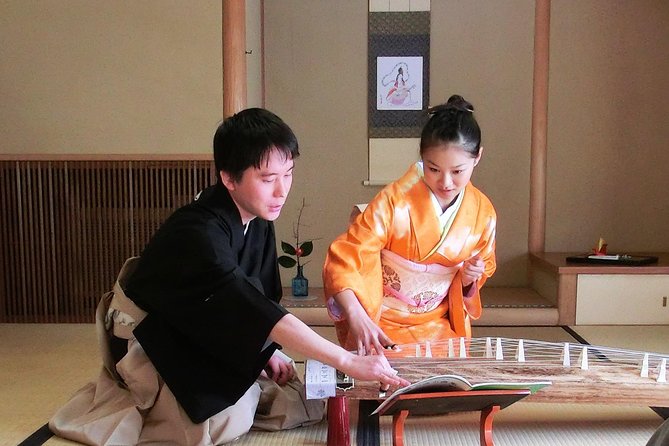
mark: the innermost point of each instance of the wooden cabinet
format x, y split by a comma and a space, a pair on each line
622, 299
592, 294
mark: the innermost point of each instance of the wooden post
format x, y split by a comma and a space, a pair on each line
234, 56
338, 422
537, 223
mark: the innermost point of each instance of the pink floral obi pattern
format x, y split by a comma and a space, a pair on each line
414, 287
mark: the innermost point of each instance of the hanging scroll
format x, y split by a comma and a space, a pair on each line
398, 93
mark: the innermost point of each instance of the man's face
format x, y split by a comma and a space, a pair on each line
262, 192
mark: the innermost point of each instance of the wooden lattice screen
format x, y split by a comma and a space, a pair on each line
66, 228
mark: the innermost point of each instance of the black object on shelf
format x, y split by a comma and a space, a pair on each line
613, 259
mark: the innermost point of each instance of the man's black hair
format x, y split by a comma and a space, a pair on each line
246, 138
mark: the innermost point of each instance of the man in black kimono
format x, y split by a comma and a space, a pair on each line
194, 324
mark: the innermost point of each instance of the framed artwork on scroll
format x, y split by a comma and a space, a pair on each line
399, 83
398, 75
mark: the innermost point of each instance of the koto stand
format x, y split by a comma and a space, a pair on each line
488, 402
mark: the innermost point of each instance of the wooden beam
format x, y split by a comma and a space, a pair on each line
105, 157
234, 56
537, 223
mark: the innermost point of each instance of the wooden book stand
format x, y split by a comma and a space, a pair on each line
488, 402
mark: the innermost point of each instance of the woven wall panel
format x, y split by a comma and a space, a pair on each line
66, 228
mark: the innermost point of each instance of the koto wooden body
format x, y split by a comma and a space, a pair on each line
613, 376
598, 384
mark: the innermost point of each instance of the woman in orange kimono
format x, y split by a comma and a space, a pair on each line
410, 267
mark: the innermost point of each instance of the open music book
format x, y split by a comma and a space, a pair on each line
450, 383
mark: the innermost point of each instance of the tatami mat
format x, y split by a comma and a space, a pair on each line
550, 334
41, 365
526, 424
647, 338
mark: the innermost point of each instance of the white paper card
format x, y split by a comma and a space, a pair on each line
320, 379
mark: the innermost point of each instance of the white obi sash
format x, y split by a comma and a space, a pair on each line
408, 286
414, 287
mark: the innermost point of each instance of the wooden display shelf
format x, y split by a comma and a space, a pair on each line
565, 275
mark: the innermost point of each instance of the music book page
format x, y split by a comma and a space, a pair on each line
448, 383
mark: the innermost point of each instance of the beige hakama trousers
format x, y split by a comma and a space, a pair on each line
129, 404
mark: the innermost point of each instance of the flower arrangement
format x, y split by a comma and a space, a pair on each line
298, 250
294, 254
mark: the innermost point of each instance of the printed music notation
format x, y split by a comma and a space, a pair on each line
450, 383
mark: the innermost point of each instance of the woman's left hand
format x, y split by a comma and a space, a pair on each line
472, 270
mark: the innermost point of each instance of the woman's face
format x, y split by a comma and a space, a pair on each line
447, 170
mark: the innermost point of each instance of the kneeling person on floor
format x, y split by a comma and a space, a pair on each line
191, 331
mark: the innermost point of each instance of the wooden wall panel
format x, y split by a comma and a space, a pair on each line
68, 226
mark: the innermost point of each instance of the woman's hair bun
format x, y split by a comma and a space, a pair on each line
459, 103
455, 103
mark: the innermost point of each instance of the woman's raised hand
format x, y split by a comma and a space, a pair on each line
472, 270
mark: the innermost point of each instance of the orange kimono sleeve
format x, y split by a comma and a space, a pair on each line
473, 303
353, 260
484, 225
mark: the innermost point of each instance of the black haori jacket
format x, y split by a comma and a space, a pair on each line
211, 294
